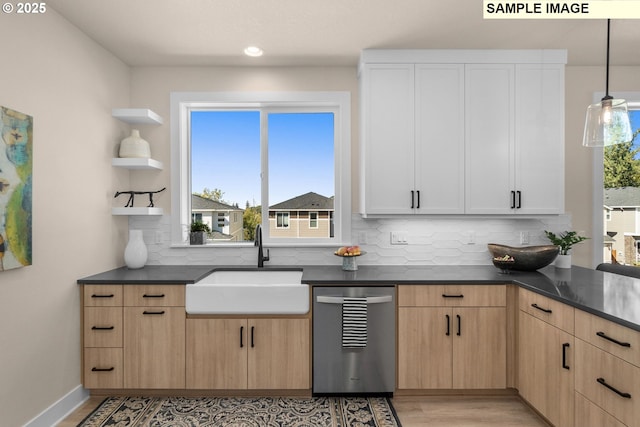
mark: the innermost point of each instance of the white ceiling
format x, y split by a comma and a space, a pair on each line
326, 32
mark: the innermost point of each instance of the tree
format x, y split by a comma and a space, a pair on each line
251, 217
621, 168
215, 194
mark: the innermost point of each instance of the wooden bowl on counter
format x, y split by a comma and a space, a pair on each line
526, 258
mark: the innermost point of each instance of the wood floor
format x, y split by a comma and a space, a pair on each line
431, 411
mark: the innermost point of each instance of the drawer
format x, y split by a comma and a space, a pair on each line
102, 295
591, 415
102, 326
103, 368
609, 382
609, 336
452, 295
154, 295
551, 311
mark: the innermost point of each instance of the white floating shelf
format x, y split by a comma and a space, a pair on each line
136, 163
136, 211
142, 116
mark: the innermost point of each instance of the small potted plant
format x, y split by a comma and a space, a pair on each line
565, 242
198, 231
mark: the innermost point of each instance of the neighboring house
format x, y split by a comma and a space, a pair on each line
309, 215
224, 220
621, 210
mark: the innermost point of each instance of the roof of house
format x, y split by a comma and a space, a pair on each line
306, 202
622, 197
202, 203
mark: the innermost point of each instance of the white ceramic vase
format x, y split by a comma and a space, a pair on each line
134, 146
135, 254
563, 261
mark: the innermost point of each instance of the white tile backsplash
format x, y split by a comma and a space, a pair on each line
431, 241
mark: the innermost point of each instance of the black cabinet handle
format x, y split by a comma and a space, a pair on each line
448, 325
102, 296
153, 312
513, 199
418, 206
252, 328
102, 369
241, 336
459, 324
153, 296
565, 346
412, 204
519, 193
620, 343
102, 328
452, 296
546, 310
618, 392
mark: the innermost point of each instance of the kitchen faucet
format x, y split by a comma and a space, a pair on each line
258, 243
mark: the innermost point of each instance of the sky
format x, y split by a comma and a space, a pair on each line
225, 154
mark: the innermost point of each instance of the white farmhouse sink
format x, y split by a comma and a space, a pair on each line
248, 292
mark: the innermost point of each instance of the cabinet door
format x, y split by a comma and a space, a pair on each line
387, 138
154, 346
489, 133
479, 347
439, 120
540, 138
279, 354
424, 347
217, 354
544, 380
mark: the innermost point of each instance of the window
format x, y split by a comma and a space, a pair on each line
609, 228
263, 158
282, 219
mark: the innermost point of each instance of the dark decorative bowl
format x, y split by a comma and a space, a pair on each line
526, 258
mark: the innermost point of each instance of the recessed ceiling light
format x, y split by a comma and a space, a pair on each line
253, 51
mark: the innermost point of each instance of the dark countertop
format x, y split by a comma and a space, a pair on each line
611, 296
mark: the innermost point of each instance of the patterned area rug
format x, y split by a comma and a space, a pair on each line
243, 412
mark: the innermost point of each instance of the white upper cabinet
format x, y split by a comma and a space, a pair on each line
489, 138
462, 132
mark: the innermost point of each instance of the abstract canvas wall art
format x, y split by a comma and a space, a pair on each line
16, 168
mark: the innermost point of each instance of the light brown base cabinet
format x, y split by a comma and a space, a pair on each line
133, 337
452, 337
248, 353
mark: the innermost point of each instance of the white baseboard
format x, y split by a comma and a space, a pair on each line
60, 409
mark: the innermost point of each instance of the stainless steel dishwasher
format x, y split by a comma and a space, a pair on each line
350, 359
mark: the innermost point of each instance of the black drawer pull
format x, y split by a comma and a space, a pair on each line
241, 335
252, 344
418, 206
620, 343
613, 389
153, 296
412, 199
102, 369
448, 325
103, 328
513, 199
459, 324
565, 346
519, 193
153, 312
546, 310
102, 296
452, 296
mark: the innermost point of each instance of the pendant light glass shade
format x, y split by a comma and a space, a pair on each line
607, 123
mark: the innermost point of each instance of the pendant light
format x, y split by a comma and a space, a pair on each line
608, 120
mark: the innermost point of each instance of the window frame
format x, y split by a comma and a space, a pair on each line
597, 224
182, 103
316, 219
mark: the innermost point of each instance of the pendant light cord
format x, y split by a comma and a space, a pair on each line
607, 78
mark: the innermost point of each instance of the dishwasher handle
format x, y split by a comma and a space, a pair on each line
340, 300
